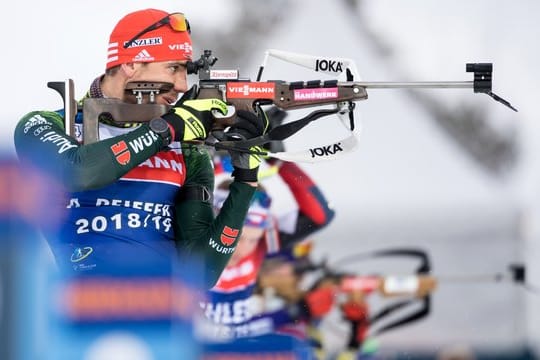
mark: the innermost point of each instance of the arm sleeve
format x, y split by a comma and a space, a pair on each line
40, 140
199, 234
314, 211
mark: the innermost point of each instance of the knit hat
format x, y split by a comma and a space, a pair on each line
160, 44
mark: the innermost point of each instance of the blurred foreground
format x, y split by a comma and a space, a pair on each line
151, 316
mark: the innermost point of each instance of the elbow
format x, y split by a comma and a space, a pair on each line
325, 216
330, 215
320, 210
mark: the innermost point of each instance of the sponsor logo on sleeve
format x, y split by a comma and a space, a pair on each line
34, 121
143, 142
121, 152
229, 235
60, 141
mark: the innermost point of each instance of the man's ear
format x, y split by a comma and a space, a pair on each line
128, 69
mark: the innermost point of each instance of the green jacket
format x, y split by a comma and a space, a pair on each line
98, 174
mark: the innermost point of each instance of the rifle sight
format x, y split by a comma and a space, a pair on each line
482, 76
204, 63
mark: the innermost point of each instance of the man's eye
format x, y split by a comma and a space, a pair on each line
177, 68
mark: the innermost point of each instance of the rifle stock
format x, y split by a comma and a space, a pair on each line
239, 95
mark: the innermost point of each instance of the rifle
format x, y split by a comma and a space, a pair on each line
409, 296
409, 291
242, 93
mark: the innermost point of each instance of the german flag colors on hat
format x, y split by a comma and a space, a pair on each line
160, 44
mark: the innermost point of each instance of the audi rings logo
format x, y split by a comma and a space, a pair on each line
81, 254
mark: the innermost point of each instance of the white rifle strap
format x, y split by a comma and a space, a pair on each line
320, 153
334, 66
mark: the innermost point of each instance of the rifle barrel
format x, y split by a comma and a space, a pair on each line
475, 278
414, 84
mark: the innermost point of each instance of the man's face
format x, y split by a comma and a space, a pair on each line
174, 72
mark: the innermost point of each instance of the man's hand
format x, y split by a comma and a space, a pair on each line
248, 125
192, 118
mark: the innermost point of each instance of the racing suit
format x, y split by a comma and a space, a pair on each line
129, 201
